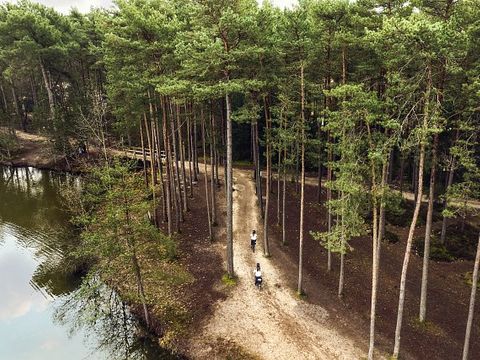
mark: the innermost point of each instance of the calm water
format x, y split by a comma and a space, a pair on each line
45, 310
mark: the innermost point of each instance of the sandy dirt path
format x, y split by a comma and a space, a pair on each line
271, 323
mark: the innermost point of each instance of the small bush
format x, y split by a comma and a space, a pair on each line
229, 280
391, 237
467, 277
438, 251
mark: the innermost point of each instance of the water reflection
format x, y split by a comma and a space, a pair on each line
45, 310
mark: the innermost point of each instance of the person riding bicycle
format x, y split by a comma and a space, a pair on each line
258, 275
253, 240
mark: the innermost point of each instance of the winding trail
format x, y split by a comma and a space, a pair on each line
271, 323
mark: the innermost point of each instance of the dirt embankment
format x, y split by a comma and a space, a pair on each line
36, 151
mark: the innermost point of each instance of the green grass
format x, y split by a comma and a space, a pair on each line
229, 280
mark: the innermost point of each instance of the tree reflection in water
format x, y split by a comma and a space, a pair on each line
99, 308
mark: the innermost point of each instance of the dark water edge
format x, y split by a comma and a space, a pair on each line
91, 319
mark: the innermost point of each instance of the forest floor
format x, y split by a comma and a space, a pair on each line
441, 337
271, 323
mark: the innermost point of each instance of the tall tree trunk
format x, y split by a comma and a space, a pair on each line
152, 166
471, 307
451, 173
266, 247
168, 172
284, 193
176, 175
212, 168
428, 233
190, 153
403, 279
258, 176
160, 165
329, 198
205, 176
181, 146
341, 276
144, 157
402, 166
195, 152
229, 186
48, 88
278, 184
381, 225
302, 186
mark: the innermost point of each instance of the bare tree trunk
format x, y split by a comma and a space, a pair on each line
451, 173
176, 175
152, 166
471, 307
329, 198
190, 153
212, 168
229, 187
46, 80
381, 225
341, 276
168, 186
278, 184
195, 152
403, 279
284, 193
160, 166
266, 247
402, 166
205, 176
182, 160
428, 233
144, 157
258, 176
302, 186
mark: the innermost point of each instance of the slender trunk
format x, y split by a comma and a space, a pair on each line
402, 166
445, 200
168, 186
266, 247
406, 260
212, 168
381, 225
278, 184
195, 153
284, 241
341, 276
471, 307
375, 267
302, 186
152, 162
160, 166
46, 80
144, 157
190, 154
258, 173
229, 186
176, 175
182, 160
329, 198
428, 233
205, 176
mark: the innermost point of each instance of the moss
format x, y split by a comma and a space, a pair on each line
427, 327
467, 279
229, 280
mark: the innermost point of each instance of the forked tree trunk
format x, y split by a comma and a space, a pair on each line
471, 307
48, 88
302, 186
428, 233
406, 260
